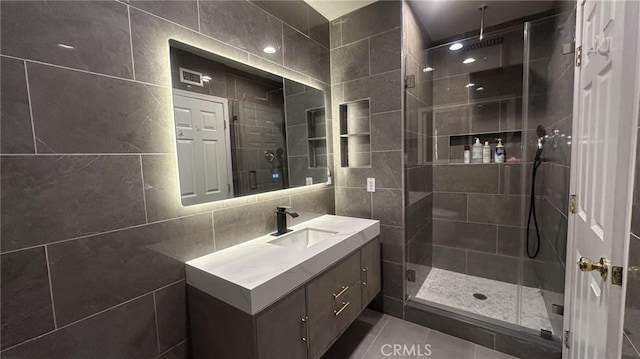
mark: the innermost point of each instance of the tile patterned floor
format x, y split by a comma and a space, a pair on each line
374, 334
456, 290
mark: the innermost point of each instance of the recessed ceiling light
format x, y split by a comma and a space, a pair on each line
469, 60
456, 46
206, 78
480, 88
427, 69
68, 47
469, 85
269, 50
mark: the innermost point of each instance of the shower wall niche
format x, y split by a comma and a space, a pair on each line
355, 134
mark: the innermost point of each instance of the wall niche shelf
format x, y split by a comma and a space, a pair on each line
317, 137
355, 136
512, 141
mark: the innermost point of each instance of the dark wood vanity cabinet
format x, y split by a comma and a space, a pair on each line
281, 329
303, 324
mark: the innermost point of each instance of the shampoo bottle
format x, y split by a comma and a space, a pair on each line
486, 152
476, 152
467, 154
499, 152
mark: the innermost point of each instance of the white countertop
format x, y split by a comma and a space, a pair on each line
252, 275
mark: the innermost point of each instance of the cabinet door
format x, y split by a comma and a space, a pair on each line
370, 261
282, 328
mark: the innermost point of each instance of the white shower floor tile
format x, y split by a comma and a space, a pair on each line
456, 290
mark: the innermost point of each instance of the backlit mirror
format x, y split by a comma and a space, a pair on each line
242, 131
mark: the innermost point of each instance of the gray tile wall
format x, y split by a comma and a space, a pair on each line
94, 237
366, 64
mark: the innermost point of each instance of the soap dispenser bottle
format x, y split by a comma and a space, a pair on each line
500, 152
486, 152
476, 152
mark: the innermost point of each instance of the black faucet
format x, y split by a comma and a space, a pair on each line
281, 219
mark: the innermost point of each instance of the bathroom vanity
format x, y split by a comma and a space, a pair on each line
289, 296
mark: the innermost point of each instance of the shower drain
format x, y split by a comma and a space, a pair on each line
479, 296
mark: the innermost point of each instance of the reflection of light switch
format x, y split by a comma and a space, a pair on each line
309, 180
371, 184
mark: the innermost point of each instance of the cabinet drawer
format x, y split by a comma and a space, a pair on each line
332, 321
322, 291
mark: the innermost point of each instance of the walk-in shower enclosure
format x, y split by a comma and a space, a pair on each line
466, 223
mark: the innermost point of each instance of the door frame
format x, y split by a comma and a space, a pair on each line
227, 132
625, 180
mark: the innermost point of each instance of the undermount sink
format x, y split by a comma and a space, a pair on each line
303, 238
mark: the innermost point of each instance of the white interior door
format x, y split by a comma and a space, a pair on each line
203, 147
604, 137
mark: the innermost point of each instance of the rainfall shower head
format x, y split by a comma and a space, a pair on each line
482, 44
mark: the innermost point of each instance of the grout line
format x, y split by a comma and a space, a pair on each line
369, 57
168, 285
76, 322
53, 307
170, 349
633, 346
367, 37
144, 195
284, 23
133, 66
368, 77
198, 9
84, 71
155, 315
107, 232
213, 230
376, 336
281, 40
81, 154
371, 201
33, 128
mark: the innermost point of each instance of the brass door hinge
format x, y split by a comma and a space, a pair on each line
572, 204
579, 56
567, 339
228, 187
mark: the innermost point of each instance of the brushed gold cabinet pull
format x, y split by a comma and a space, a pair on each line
344, 306
344, 289
366, 275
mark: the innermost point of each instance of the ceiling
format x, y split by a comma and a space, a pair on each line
333, 9
446, 18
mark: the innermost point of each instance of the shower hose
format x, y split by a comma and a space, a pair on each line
532, 209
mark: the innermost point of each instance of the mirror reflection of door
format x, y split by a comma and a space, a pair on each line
203, 142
